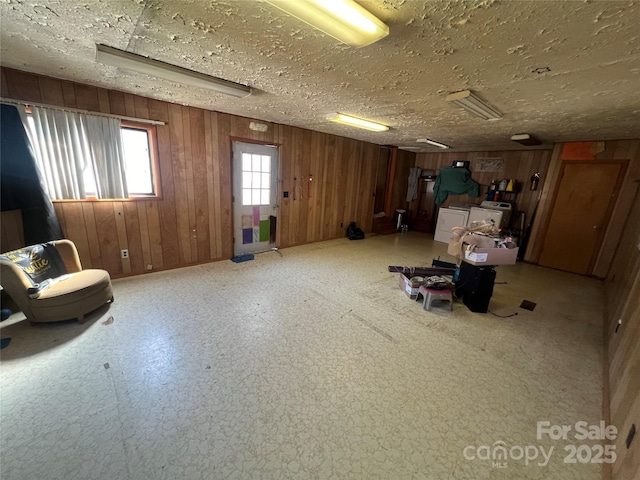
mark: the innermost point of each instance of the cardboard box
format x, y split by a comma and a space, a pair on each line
409, 288
486, 256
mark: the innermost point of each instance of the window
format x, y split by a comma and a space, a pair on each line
76, 144
138, 142
256, 179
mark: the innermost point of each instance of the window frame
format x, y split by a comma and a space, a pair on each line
153, 159
155, 169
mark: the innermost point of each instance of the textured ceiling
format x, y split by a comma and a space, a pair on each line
591, 49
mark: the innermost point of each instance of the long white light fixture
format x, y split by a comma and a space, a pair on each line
357, 122
432, 142
156, 68
467, 100
344, 20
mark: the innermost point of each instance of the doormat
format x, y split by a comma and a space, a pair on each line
527, 305
242, 258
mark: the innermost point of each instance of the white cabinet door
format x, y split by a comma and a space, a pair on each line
447, 219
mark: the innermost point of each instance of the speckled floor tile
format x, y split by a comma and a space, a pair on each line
309, 363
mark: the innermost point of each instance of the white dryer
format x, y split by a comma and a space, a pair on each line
447, 219
499, 212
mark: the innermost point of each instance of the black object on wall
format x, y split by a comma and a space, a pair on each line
21, 184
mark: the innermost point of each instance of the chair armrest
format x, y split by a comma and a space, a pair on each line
69, 255
13, 279
15, 282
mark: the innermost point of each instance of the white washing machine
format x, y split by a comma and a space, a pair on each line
499, 212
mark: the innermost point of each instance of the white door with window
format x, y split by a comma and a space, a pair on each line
255, 180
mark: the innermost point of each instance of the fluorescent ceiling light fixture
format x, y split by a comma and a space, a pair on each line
467, 100
357, 122
344, 20
432, 142
526, 139
156, 68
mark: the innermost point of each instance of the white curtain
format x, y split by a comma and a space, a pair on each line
78, 154
107, 156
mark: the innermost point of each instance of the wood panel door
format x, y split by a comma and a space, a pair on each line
586, 194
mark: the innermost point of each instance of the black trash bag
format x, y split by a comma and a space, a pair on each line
354, 232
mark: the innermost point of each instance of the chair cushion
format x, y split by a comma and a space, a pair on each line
72, 288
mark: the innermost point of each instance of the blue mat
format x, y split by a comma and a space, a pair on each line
242, 258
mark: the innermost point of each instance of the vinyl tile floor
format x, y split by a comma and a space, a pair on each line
307, 363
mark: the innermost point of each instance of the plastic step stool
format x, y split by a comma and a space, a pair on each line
431, 294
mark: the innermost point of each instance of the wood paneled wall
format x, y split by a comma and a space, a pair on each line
192, 222
405, 160
517, 164
343, 185
614, 150
623, 352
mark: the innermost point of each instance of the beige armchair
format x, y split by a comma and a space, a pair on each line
69, 296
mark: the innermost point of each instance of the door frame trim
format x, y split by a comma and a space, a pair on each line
624, 164
266, 143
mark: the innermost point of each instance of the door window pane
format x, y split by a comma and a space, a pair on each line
266, 163
246, 162
256, 163
246, 196
255, 197
246, 179
255, 181
264, 200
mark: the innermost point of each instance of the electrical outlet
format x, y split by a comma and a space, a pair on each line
125, 253
149, 267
